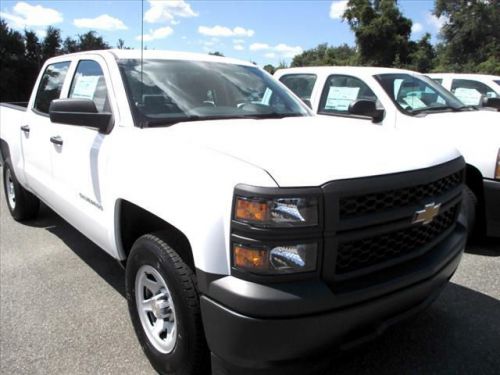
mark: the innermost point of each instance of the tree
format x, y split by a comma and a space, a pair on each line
326, 55
382, 32
269, 68
471, 35
90, 41
11, 57
51, 45
216, 53
422, 55
70, 45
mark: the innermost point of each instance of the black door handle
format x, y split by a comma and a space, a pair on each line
57, 140
25, 128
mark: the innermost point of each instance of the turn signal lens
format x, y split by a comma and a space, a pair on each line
271, 260
251, 210
497, 169
252, 259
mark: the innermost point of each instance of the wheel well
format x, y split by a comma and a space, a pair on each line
4, 151
474, 180
134, 222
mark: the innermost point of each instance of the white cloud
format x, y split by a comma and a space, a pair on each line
160, 33
103, 22
417, 28
26, 15
436, 22
239, 41
224, 31
238, 47
337, 9
259, 46
168, 11
279, 50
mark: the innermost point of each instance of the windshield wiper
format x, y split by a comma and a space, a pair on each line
432, 109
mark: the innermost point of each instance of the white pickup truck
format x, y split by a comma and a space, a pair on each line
472, 89
255, 236
401, 99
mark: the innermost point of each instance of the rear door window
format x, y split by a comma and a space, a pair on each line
50, 85
302, 85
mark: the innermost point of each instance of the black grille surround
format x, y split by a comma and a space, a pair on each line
370, 228
364, 204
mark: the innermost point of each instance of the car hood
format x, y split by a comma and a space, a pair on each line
475, 134
310, 151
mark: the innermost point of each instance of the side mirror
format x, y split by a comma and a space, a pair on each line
366, 108
491, 102
80, 112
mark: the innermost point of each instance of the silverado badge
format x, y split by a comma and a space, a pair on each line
426, 215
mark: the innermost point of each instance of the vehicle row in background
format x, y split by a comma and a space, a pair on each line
410, 101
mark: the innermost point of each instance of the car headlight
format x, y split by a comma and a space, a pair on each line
276, 212
275, 259
497, 168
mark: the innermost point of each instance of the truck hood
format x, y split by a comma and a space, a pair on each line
475, 134
310, 151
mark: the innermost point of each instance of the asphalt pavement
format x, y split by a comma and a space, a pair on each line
63, 311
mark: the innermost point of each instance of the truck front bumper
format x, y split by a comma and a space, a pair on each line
277, 342
492, 207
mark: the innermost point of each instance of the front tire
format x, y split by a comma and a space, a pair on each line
164, 307
22, 204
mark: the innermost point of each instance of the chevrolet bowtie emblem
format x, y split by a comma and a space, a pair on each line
426, 215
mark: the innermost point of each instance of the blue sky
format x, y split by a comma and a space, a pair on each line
261, 31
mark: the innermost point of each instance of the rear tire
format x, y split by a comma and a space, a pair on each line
157, 277
22, 204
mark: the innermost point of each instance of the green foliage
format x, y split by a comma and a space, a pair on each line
326, 55
471, 36
382, 32
91, 42
422, 55
216, 53
269, 68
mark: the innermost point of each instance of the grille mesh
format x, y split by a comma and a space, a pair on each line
367, 204
356, 255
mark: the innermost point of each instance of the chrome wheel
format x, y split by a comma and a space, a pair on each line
156, 309
11, 193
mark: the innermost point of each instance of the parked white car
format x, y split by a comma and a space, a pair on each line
393, 98
471, 89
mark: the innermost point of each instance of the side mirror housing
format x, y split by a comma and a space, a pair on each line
80, 112
366, 108
491, 102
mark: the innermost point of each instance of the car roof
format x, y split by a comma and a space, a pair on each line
464, 75
162, 55
356, 70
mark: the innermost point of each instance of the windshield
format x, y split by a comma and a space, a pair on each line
172, 91
497, 81
418, 94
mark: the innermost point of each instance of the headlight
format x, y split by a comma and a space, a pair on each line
277, 212
497, 168
279, 259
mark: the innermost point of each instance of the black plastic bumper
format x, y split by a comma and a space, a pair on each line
246, 344
492, 207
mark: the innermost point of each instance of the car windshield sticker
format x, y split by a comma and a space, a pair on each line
414, 102
339, 98
85, 87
